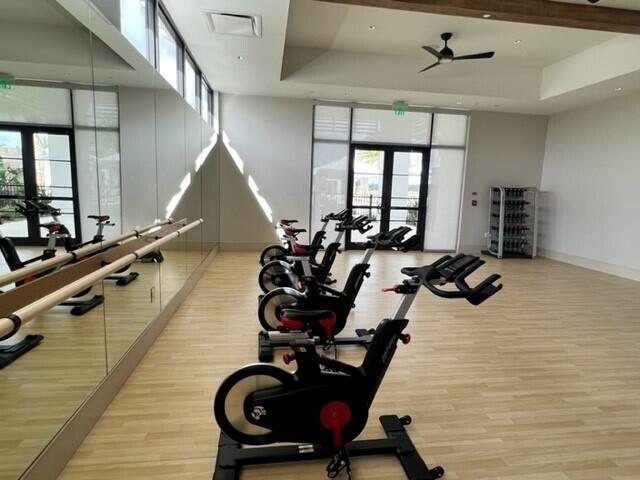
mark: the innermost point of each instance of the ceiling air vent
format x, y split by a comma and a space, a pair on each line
228, 23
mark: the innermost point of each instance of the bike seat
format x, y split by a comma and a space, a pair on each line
100, 218
286, 221
300, 320
295, 230
53, 227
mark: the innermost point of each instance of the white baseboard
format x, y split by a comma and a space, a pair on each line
610, 268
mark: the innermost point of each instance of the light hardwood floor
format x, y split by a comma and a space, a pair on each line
540, 382
42, 389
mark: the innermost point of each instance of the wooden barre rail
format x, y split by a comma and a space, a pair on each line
67, 257
10, 324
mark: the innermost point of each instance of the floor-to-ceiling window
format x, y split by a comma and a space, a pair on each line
402, 169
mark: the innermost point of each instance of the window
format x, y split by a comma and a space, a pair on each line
190, 82
382, 126
205, 100
168, 52
134, 24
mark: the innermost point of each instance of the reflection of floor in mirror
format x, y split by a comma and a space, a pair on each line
40, 390
542, 381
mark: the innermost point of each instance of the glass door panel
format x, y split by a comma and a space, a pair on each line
406, 182
12, 184
388, 186
54, 177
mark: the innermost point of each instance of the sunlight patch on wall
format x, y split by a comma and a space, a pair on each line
204, 154
261, 200
175, 200
235, 156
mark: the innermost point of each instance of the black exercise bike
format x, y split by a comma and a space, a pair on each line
281, 325
288, 271
325, 404
289, 241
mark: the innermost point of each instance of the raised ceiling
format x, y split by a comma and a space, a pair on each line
317, 49
319, 25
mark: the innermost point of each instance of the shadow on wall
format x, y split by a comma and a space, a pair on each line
250, 217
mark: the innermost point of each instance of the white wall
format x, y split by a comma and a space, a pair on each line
271, 138
503, 149
591, 215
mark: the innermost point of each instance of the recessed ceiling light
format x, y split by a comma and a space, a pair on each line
240, 57
517, 42
67, 75
458, 102
619, 89
486, 15
372, 27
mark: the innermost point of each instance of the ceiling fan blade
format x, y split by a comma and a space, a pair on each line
430, 67
476, 56
432, 51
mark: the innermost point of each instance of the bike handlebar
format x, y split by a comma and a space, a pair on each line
341, 216
455, 270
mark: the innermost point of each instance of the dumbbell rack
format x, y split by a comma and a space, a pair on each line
513, 222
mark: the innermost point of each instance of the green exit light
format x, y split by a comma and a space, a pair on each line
399, 109
6, 82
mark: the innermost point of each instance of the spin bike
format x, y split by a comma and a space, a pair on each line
10, 254
287, 314
287, 271
57, 230
324, 405
290, 243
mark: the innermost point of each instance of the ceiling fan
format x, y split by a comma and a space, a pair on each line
446, 55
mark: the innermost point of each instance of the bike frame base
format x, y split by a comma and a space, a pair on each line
268, 341
80, 307
10, 353
232, 457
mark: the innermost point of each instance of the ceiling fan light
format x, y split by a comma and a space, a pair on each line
446, 60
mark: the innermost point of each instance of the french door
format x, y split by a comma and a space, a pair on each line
388, 183
37, 162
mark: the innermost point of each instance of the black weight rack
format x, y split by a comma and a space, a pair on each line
513, 222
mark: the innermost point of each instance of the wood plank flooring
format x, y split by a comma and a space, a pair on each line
542, 382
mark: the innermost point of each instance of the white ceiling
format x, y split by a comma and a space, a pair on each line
313, 49
324, 50
320, 25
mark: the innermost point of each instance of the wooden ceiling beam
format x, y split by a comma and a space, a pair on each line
540, 12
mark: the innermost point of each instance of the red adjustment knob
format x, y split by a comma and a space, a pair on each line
287, 358
334, 416
405, 338
389, 289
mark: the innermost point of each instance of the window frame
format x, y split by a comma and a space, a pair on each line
27, 131
157, 12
